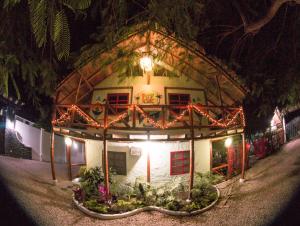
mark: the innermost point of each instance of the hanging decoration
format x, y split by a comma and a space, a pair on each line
235, 117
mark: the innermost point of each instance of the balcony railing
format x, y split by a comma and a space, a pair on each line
148, 117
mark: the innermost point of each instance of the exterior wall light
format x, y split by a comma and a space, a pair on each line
228, 142
146, 63
68, 141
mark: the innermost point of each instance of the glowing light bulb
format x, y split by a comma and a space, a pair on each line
68, 141
146, 63
228, 142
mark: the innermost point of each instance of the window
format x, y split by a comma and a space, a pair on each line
117, 162
117, 99
178, 99
180, 162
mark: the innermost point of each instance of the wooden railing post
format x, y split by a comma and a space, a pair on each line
105, 153
68, 152
52, 155
133, 116
53, 142
192, 151
243, 158
163, 116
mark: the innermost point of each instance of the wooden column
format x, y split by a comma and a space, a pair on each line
133, 116
243, 156
52, 155
148, 161
192, 151
53, 139
105, 153
69, 165
148, 167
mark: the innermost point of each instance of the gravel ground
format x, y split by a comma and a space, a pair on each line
266, 195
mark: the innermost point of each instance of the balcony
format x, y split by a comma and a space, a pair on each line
153, 119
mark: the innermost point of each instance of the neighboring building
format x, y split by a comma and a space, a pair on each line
151, 125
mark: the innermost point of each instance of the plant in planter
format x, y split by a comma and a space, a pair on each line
203, 192
95, 206
78, 194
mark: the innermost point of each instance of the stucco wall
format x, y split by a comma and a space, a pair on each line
159, 158
157, 84
93, 150
202, 156
59, 148
30, 137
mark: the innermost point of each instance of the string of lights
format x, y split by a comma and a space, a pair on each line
231, 120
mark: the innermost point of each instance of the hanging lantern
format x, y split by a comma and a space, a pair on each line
146, 63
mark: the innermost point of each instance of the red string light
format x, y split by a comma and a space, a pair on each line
93, 123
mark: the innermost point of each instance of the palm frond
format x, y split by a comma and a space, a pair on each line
61, 35
77, 4
38, 17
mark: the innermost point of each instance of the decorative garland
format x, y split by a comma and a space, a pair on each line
93, 123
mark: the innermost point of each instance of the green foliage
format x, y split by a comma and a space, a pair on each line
174, 205
10, 3
209, 177
203, 193
123, 206
8, 65
49, 17
191, 207
61, 37
82, 171
38, 16
89, 180
95, 206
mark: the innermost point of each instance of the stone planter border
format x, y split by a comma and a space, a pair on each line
139, 210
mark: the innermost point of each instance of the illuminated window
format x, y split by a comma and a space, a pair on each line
180, 162
117, 162
117, 100
178, 99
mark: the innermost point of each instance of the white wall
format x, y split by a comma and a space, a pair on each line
30, 137
202, 156
159, 158
59, 148
93, 150
39, 141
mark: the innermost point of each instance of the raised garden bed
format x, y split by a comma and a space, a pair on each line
126, 200
142, 209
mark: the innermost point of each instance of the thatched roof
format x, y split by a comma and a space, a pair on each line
78, 86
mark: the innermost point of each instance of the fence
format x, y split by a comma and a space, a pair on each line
293, 128
39, 141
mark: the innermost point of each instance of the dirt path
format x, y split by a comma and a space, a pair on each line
269, 188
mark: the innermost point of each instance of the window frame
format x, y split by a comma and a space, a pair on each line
178, 110
182, 158
109, 163
116, 107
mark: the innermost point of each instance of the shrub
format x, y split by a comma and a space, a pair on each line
191, 207
95, 206
174, 205
211, 178
124, 206
90, 179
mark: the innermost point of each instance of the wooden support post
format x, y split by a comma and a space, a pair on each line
243, 157
133, 116
53, 139
148, 167
69, 164
163, 116
105, 153
192, 151
52, 155
148, 161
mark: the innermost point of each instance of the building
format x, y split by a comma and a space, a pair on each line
152, 107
